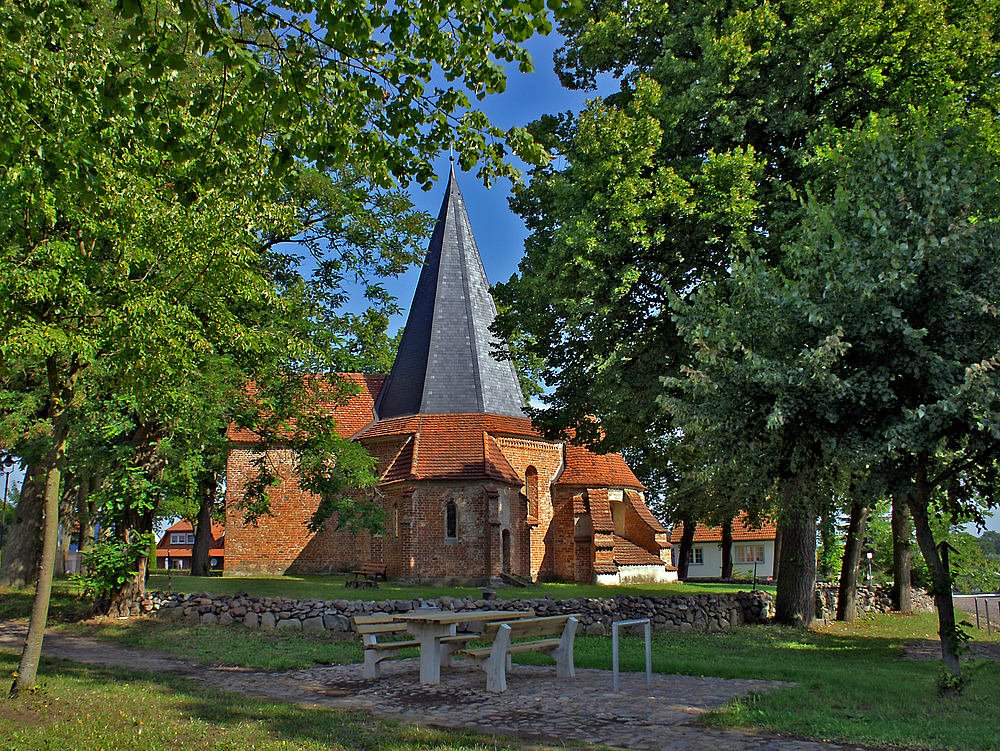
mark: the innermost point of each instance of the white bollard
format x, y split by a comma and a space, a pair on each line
647, 630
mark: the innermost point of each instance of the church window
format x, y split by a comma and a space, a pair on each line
395, 520
451, 521
531, 490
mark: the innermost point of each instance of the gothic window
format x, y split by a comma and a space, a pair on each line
531, 490
395, 520
451, 521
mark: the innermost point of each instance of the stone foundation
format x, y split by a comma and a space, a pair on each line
703, 612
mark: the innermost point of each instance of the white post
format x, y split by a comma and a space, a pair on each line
647, 633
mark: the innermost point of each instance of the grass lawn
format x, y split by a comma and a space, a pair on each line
80, 708
852, 684
333, 588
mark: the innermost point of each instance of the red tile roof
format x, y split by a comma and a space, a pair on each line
584, 467
446, 449
497, 464
627, 553
165, 546
401, 466
742, 530
600, 510
454, 447
351, 413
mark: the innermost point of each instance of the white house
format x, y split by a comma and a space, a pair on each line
751, 545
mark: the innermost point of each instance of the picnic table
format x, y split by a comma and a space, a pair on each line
430, 626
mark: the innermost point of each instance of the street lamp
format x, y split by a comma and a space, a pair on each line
7, 465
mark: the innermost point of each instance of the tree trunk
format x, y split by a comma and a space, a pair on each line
23, 537
918, 500
60, 395
902, 557
776, 563
203, 527
727, 549
848, 591
687, 543
134, 526
795, 601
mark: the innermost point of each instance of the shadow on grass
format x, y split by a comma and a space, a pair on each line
227, 719
65, 604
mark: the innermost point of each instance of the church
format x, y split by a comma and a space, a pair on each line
471, 491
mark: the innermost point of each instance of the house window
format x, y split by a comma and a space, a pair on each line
451, 521
695, 557
531, 490
749, 553
190, 538
177, 538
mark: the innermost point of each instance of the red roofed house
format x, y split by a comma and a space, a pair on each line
750, 545
471, 490
173, 551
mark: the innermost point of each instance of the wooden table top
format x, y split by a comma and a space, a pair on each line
465, 616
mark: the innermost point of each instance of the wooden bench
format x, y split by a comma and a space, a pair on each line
367, 576
377, 626
495, 659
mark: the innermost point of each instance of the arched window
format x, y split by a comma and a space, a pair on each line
531, 490
451, 521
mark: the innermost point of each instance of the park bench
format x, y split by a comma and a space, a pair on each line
560, 631
375, 628
367, 576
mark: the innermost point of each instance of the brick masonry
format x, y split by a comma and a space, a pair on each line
499, 529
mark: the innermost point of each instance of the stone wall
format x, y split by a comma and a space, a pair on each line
870, 600
701, 612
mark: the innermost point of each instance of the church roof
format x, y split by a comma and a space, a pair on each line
445, 364
449, 447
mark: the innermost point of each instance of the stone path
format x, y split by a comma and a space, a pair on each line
931, 650
536, 707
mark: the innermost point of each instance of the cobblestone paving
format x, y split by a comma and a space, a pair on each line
537, 706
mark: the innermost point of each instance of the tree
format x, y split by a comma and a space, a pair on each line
701, 157
155, 154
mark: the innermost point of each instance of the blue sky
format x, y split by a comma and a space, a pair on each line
499, 233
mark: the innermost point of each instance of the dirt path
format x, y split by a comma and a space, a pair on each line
537, 706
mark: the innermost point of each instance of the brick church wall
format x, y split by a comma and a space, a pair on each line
282, 543
547, 459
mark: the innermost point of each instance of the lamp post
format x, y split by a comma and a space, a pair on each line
7, 465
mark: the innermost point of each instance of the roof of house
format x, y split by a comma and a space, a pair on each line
218, 537
742, 531
445, 364
352, 411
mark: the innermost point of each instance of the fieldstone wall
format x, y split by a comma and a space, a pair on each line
701, 612
870, 600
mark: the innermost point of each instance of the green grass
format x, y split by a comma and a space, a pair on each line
81, 708
232, 645
852, 685
333, 588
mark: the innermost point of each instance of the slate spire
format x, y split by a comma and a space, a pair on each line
444, 364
